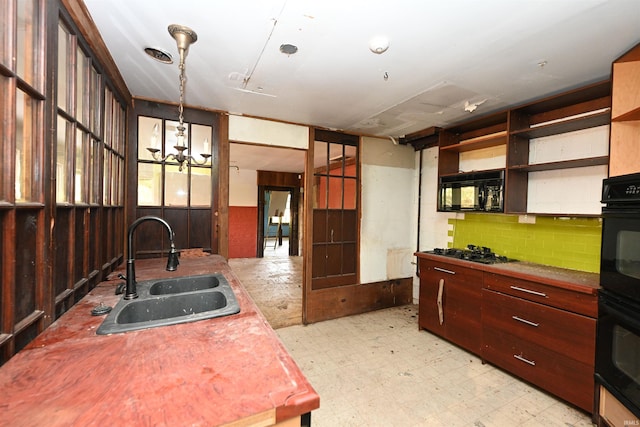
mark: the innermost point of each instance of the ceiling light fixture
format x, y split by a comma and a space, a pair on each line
159, 55
472, 106
288, 49
184, 37
379, 44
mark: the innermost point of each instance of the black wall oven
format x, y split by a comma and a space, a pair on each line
618, 349
620, 256
618, 333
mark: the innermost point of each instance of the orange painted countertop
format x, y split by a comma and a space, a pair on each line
204, 373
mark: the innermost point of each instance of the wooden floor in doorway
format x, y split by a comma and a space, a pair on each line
275, 284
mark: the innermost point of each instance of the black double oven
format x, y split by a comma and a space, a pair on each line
618, 333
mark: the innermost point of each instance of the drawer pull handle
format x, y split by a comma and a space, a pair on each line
525, 321
522, 359
444, 270
529, 291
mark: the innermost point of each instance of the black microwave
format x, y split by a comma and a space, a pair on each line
477, 191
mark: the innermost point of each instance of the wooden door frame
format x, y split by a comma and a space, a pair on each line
293, 226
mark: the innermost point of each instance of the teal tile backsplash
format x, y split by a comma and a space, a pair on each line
572, 243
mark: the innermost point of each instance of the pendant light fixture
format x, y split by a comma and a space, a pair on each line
184, 37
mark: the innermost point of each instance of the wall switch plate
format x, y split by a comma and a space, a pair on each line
527, 219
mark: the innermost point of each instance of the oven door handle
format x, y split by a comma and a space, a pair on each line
619, 310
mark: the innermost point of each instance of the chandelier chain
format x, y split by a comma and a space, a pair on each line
182, 83
184, 36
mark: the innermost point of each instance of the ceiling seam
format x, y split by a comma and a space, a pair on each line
245, 82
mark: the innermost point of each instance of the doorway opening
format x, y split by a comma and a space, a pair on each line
271, 273
278, 221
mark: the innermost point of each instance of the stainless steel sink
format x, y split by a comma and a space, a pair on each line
172, 301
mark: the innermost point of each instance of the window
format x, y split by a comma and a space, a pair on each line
169, 183
89, 158
63, 185
183, 194
28, 130
113, 151
49, 259
22, 176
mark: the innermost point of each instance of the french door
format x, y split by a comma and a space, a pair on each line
335, 210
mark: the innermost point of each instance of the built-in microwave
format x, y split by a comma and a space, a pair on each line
477, 191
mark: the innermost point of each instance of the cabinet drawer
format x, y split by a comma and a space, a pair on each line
565, 377
430, 268
569, 334
544, 294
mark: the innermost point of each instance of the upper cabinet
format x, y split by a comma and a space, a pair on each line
625, 114
554, 151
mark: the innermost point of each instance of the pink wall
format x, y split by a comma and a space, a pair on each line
243, 231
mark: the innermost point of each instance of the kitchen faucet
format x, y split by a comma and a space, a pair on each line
172, 261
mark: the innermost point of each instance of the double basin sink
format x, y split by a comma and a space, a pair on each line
164, 302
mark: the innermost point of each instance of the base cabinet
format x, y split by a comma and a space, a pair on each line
549, 347
450, 303
536, 330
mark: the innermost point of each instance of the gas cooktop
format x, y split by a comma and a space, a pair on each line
473, 253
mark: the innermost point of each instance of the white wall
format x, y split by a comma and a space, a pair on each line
243, 187
267, 132
576, 190
387, 239
433, 225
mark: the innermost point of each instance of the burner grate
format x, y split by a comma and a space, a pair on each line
474, 253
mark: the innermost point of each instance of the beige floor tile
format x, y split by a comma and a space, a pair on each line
381, 370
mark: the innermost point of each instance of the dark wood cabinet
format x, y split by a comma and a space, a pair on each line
449, 306
542, 334
514, 132
535, 322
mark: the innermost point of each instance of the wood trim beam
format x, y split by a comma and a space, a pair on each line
308, 226
87, 27
221, 211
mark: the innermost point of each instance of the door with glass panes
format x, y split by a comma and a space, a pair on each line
335, 210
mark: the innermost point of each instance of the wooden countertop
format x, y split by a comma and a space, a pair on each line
205, 373
577, 281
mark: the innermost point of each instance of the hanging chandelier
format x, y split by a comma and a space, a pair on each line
184, 37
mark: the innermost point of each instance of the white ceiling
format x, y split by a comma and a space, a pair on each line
442, 55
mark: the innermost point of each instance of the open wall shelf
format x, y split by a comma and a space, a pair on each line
597, 118
574, 110
565, 164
